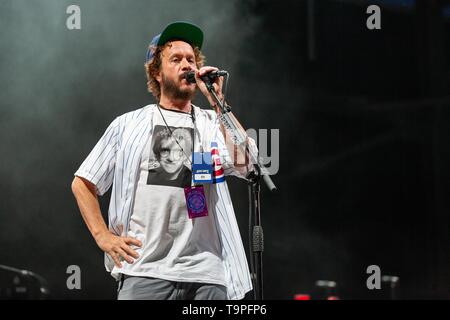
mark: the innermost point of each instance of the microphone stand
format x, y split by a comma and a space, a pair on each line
240, 139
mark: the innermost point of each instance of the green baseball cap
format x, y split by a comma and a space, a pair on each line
178, 30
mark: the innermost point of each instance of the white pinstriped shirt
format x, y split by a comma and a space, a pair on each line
115, 161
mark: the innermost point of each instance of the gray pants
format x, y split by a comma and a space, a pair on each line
143, 288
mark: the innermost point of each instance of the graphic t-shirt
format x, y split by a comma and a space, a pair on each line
175, 247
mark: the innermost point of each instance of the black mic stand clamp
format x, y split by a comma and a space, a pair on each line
253, 177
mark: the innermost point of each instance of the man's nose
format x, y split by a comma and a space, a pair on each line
172, 156
185, 65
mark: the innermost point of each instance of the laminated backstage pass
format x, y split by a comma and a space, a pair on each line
202, 167
195, 201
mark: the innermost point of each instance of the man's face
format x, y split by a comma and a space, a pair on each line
177, 58
171, 156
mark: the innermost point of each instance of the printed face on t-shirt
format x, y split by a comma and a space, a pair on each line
171, 156
170, 153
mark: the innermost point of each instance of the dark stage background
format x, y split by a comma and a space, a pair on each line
363, 118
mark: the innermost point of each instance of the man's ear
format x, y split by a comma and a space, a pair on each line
158, 77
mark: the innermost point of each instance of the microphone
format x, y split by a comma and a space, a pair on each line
209, 77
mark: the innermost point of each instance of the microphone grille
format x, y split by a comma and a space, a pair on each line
190, 76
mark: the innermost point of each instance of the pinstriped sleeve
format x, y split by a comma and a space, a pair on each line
228, 161
98, 167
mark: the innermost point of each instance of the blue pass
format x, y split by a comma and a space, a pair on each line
202, 167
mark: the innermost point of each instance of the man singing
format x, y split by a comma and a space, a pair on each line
170, 235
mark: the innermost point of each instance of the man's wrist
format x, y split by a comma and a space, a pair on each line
215, 107
99, 234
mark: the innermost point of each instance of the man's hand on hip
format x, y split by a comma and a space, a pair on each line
118, 247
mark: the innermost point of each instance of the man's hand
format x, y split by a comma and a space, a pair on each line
118, 247
218, 83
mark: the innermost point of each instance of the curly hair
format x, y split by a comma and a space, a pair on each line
154, 66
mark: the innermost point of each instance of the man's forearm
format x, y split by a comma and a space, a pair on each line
239, 156
89, 205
